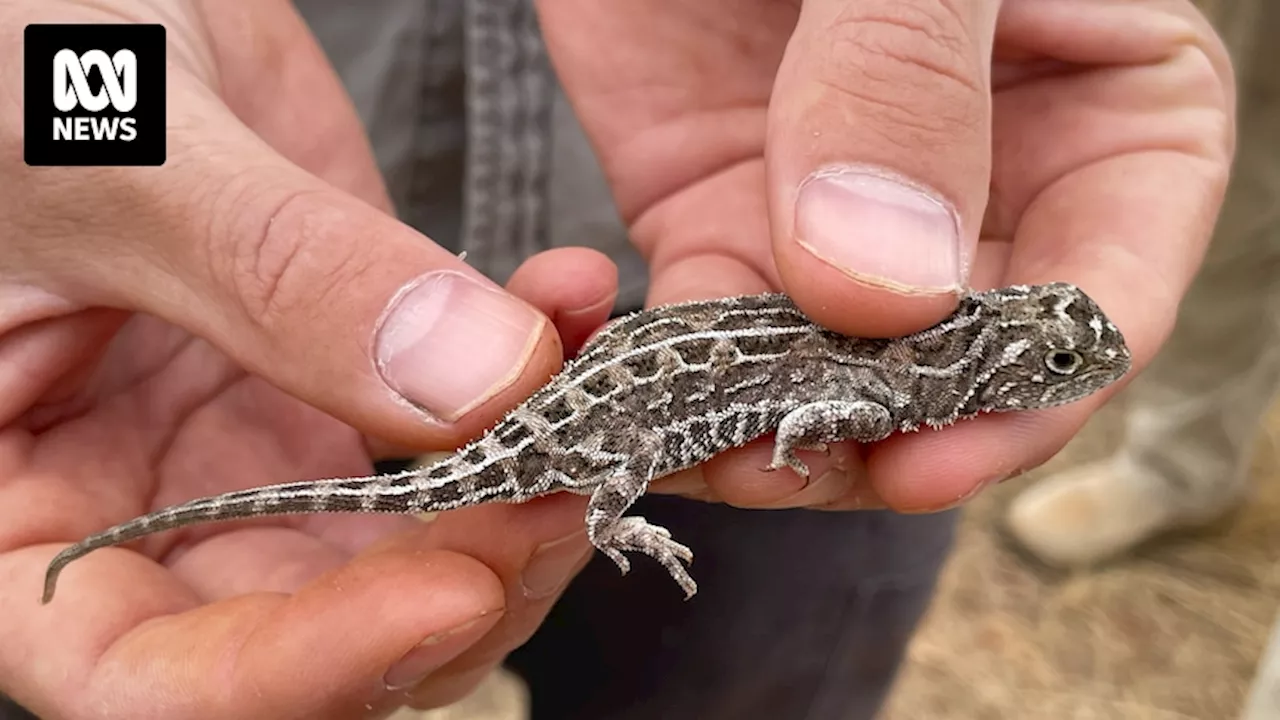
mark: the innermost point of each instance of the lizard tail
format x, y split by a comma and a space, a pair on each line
397, 493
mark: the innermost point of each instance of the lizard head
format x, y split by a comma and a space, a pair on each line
1052, 345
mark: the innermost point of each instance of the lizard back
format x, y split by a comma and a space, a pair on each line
667, 388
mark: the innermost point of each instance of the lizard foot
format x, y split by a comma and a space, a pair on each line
635, 534
812, 426
786, 457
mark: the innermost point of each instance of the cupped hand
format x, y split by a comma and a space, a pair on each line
169, 333
872, 158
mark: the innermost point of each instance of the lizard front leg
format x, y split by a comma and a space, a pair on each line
812, 426
614, 534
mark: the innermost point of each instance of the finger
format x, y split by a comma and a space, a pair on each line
575, 287
275, 93
1139, 287
718, 254
936, 470
878, 157
330, 651
534, 575
270, 558
738, 477
449, 687
1127, 220
317, 653
333, 301
1141, 177
704, 277
838, 480
50, 354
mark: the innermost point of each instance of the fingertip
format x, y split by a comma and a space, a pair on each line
569, 279
869, 252
451, 342
323, 651
854, 304
542, 361
576, 287
878, 163
350, 310
935, 470
705, 276
739, 477
380, 624
861, 496
451, 688
534, 548
100, 604
419, 665
511, 534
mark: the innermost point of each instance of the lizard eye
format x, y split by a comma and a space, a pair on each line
1063, 362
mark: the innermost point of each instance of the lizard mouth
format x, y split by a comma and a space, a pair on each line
1080, 387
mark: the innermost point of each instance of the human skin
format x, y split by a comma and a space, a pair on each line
241, 317
1085, 141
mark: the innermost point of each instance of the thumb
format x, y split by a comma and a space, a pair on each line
325, 296
878, 156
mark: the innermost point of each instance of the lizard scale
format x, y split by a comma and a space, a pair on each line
666, 388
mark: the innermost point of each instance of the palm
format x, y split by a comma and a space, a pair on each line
164, 417
106, 414
154, 415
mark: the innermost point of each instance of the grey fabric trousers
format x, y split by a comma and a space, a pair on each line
800, 614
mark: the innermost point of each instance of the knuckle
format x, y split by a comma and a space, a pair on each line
1207, 73
280, 263
914, 64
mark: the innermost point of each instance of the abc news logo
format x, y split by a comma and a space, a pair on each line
94, 95
71, 90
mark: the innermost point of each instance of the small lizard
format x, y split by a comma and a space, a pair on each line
666, 388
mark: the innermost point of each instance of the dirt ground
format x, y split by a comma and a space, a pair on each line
1173, 632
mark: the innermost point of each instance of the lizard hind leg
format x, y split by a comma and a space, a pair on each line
613, 533
812, 426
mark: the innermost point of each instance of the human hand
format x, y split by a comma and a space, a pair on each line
873, 157
169, 333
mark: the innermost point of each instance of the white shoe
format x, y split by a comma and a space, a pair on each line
1095, 512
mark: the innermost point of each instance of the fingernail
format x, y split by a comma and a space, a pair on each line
427, 656
861, 497
553, 564
685, 482
826, 488
450, 691
448, 343
880, 229
607, 301
960, 499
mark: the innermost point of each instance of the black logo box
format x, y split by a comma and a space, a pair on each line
41, 43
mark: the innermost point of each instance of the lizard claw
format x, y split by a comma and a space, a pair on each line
636, 535
783, 458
